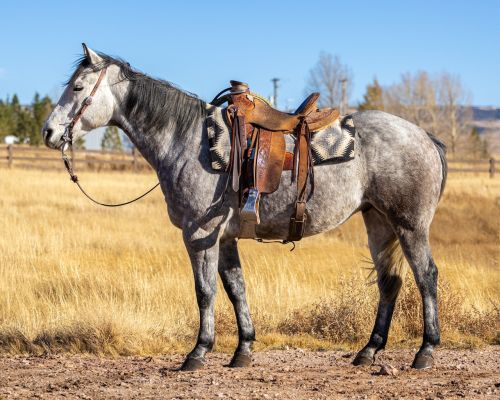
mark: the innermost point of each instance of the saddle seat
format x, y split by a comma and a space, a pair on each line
259, 112
259, 156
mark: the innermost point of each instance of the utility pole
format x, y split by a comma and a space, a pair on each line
275, 91
343, 102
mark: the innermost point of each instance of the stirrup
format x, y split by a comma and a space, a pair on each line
249, 215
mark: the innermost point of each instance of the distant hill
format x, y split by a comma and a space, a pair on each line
486, 113
487, 122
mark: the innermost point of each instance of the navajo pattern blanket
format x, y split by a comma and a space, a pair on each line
334, 144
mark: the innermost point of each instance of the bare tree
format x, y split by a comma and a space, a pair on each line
414, 99
439, 105
456, 112
326, 76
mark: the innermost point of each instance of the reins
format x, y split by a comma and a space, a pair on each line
68, 145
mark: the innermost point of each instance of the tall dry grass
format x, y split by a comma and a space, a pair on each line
77, 277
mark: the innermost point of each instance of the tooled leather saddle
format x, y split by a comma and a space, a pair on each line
258, 152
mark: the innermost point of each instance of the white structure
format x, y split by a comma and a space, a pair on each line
11, 139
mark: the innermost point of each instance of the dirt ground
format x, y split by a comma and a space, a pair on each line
290, 374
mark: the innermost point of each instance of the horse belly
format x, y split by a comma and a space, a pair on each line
337, 195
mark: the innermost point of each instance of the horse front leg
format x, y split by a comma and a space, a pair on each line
203, 251
234, 284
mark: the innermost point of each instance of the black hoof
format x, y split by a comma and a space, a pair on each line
241, 361
363, 359
192, 364
423, 361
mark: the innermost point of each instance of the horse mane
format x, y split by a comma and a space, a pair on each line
151, 104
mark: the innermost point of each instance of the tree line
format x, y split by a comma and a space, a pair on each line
24, 122
440, 104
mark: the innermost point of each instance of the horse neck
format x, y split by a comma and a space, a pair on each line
159, 146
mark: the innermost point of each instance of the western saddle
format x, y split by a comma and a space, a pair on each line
258, 152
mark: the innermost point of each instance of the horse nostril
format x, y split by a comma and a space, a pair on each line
48, 133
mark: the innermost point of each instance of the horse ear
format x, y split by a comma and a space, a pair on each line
91, 55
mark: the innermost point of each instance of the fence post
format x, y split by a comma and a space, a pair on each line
9, 155
134, 159
492, 168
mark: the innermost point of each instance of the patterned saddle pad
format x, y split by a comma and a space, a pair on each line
334, 144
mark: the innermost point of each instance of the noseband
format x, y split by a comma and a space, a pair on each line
67, 144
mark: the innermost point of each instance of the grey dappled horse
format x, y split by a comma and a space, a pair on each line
395, 180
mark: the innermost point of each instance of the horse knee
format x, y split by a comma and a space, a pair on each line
205, 295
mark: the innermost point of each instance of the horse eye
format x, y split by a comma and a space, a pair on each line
77, 88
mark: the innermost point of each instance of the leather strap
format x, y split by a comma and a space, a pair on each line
300, 173
238, 146
87, 102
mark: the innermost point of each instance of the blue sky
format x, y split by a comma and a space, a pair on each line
200, 46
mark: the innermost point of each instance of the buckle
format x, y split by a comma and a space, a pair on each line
296, 229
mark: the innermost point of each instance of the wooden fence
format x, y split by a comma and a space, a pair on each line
89, 160
95, 160
473, 166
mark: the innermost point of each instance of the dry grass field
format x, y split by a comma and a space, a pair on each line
80, 278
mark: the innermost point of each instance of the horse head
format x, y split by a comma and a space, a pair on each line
87, 102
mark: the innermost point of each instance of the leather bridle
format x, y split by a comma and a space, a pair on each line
67, 144
67, 137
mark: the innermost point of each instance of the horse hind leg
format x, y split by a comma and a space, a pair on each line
415, 245
387, 261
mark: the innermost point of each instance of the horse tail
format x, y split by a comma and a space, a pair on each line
390, 268
441, 149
